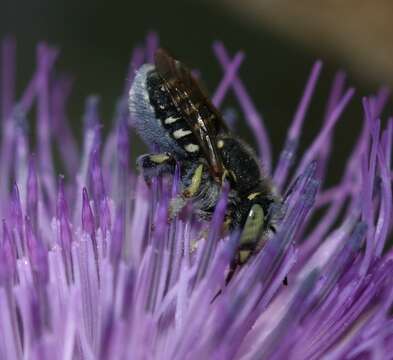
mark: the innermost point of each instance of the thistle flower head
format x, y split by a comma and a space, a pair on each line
90, 267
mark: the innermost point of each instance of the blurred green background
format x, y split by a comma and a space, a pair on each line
96, 39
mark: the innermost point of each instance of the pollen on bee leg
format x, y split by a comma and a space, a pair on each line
175, 206
252, 196
195, 182
193, 245
244, 255
220, 144
159, 158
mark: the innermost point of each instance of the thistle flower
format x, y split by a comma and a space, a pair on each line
90, 268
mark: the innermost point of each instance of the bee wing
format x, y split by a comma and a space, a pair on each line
195, 107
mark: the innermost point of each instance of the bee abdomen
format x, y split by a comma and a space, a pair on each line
168, 117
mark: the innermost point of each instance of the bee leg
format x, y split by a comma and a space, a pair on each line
156, 164
228, 175
196, 180
178, 203
232, 269
242, 255
175, 206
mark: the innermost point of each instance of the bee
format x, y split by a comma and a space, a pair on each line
173, 114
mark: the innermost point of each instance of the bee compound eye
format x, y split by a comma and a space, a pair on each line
253, 225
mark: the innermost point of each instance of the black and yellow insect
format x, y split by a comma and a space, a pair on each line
173, 115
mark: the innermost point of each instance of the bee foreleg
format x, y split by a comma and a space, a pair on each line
156, 164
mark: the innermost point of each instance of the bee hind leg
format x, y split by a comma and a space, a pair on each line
153, 165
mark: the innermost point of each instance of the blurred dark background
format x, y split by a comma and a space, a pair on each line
281, 40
